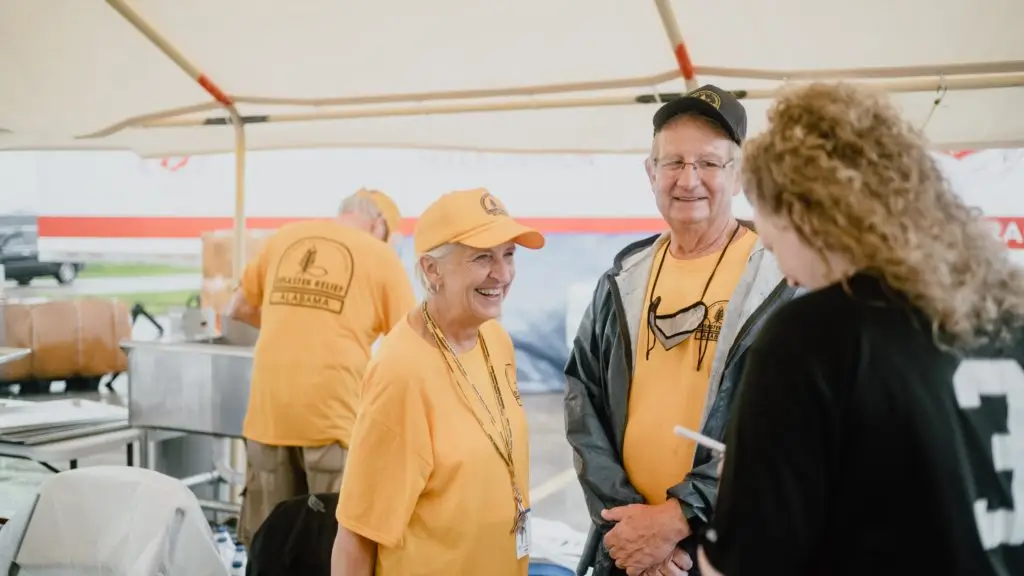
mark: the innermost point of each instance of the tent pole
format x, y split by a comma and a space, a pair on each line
217, 94
237, 453
925, 86
980, 69
675, 37
238, 263
146, 29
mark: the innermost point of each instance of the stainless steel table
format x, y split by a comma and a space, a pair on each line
76, 448
199, 387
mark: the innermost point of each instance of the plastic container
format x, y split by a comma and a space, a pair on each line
239, 561
225, 546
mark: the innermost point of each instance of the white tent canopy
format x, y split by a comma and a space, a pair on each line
523, 75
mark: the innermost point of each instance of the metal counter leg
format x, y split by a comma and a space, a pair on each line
147, 452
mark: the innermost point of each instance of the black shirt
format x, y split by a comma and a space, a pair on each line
850, 453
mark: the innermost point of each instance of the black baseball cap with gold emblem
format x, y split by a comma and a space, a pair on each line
713, 103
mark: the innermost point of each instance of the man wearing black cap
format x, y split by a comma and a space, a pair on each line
662, 344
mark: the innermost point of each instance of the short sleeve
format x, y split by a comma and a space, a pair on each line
773, 493
254, 276
389, 460
396, 295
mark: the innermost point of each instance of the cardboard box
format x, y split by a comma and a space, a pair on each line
218, 250
218, 255
67, 338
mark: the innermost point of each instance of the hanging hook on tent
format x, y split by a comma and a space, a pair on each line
942, 89
940, 94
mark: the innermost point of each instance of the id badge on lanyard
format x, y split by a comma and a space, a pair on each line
523, 537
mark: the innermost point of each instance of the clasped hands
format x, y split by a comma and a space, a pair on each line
644, 538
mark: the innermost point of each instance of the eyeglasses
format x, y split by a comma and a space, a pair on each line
701, 166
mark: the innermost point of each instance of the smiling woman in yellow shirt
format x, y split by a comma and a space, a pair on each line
436, 480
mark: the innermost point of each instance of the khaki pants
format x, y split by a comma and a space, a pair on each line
274, 474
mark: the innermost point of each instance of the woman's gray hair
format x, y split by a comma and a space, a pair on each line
437, 254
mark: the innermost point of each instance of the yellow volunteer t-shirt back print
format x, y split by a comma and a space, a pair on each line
327, 293
313, 272
422, 479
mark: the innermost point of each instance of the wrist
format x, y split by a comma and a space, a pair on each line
680, 526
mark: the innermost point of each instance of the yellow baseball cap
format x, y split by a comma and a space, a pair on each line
387, 207
475, 218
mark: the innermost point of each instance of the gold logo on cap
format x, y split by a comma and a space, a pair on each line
492, 205
709, 97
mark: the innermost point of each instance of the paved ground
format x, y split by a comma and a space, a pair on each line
113, 285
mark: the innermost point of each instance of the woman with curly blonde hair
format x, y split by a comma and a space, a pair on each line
880, 422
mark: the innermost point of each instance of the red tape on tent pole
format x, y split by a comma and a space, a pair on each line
214, 90
685, 64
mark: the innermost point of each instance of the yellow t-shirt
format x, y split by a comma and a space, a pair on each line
326, 292
667, 388
422, 479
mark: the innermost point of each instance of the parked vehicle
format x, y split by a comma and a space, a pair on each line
19, 253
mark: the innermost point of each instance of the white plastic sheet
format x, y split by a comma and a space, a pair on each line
117, 521
556, 542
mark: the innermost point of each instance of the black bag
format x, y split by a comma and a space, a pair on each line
297, 538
